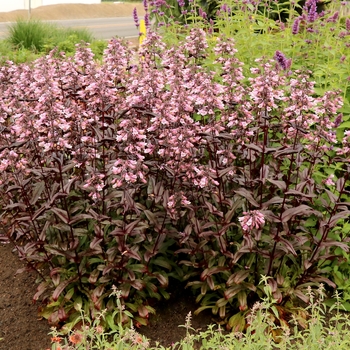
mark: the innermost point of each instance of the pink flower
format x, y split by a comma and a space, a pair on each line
252, 219
329, 181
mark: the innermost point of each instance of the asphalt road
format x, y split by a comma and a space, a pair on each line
101, 28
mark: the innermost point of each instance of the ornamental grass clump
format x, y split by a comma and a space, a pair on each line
136, 174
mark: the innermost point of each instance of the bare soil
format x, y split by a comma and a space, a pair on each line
20, 327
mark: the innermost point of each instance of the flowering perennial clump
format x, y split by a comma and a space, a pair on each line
127, 173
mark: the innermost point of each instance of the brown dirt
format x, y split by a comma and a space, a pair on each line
22, 329
74, 11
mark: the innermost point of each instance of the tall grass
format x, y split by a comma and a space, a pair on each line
38, 36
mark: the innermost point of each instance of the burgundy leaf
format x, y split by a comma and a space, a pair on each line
340, 184
286, 246
232, 291
62, 286
137, 284
341, 215
248, 196
211, 271
288, 150
299, 210
97, 292
61, 214
280, 184
142, 310
213, 210
238, 277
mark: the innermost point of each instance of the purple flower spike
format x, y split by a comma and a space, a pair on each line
333, 18
296, 26
136, 18
202, 13
181, 3
338, 120
145, 5
312, 11
282, 60
147, 22
347, 23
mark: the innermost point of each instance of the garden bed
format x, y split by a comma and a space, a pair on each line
22, 329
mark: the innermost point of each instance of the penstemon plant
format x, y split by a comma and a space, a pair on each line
127, 174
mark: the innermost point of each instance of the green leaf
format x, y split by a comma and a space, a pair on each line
221, 302
202, 308
69, 294
344, 125
78, 303
237, 322
161, 261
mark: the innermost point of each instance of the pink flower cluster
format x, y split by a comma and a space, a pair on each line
169, 117
251, 220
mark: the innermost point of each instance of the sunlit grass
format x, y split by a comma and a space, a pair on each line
39, 36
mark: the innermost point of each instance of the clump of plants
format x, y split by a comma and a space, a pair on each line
29, 40
312, 39
132, 174
322, 331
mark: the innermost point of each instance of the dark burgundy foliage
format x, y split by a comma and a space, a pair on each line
137, 171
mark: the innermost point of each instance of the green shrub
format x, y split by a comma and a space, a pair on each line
30, 35
42, 37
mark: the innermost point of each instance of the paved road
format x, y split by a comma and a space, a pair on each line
101, 28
